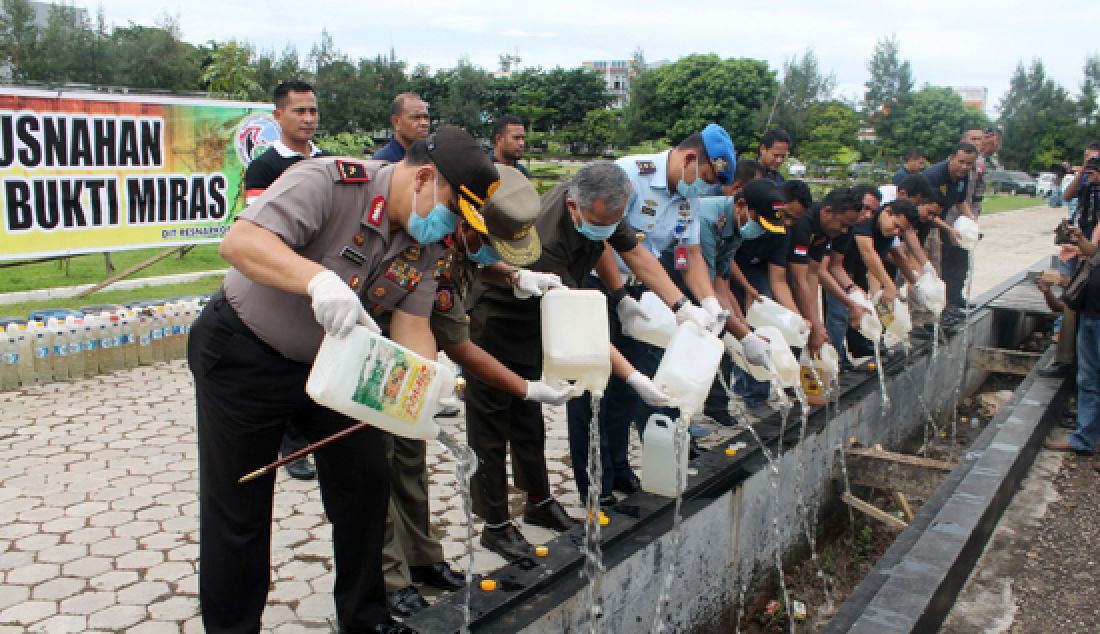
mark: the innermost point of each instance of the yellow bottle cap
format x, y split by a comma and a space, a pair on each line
871, 365
604, 519
730, 451
542, 551
488, 585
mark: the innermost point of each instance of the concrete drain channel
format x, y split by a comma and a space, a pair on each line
738, 520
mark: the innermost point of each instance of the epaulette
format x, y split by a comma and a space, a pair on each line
352, 171
646, 166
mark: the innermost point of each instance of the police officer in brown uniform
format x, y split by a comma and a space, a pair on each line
329, 238
500, 231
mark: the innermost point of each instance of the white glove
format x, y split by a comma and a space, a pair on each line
757, 351
916, 296
529, 283
718, 314
691, 312
711, 305
542, 392
928, 268
630, 314
647, 390
336, 307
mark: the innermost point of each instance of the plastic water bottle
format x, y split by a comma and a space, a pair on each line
129, 340
156, 333
59, 351
25, 363
75, 328
144, 337
9, 360
106, 344
43, 368
90, 346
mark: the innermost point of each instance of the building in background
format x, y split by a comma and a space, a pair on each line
616, 74
973, 96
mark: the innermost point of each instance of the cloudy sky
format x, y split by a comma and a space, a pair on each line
949, 42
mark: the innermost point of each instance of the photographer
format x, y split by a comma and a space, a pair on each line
1085, 188
1083, 439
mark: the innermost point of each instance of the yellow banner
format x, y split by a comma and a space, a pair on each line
88, 172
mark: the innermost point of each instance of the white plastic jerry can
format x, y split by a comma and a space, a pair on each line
576, 343
661, 325
660, 458
372, 379
767, 312
825, 367
969, 232
869, 325
688, 367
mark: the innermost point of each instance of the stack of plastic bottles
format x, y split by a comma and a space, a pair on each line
64, 344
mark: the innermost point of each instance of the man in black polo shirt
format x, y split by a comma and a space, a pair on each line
774, 147
509, 140
952, 178
811, 236
297, 116
410, 121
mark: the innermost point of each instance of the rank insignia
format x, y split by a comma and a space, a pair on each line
650, 202
646, 166
444, 300
352, 171
377, 208
403, 274
649, 211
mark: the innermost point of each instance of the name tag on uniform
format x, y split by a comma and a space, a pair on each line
680, 258
353, 256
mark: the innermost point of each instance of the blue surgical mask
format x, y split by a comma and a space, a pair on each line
596, 232
439, 222
696, 188
751, 230
485, 255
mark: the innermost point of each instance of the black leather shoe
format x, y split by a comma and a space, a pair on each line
507, 542
438, 575
301, 469
549, 514
405, 602
390, 627
1056, 369
627, 484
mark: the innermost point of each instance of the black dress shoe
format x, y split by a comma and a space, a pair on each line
548, 514
438, 575
507, 542
1056, 369
627, 484
301, 469
405, 602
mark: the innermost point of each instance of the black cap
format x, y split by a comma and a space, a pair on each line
763, 197
468, 169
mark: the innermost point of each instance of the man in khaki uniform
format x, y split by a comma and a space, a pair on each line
329, 238
502, 231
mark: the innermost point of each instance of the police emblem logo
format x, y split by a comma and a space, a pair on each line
444, 299
377, 207
720, 165
646, 166
352, 171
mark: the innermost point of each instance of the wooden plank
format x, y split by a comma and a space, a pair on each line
873, 511
1003, 360
894, 471
903, 503
130, 271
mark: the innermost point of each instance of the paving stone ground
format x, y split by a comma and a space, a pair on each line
99, 510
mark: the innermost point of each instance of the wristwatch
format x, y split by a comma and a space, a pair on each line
616, 296
679, 303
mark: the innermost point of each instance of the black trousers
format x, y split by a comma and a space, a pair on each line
955, 264
246, 393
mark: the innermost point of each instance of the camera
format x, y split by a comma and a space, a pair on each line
1063, 233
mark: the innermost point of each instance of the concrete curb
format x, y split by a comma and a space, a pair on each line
42, 294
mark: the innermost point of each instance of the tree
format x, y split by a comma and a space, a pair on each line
932, 118
803, 87
830, 134
154, 57
271, 71
891, 80
1039, 120
679, 99
384, 78
228, 73
19, 38
464, 101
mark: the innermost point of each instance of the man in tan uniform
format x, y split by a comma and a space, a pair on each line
329, 238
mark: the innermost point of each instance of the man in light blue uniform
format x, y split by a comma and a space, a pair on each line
667, 187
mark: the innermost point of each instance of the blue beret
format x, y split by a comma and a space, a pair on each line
721, 152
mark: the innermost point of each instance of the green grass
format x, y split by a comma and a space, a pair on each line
205, 285
997, 204
89, 269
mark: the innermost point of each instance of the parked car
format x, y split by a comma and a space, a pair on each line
1043, 184
796, 168
1011, 182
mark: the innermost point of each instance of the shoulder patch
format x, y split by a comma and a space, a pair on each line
646, 166
377, 207
352, 171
